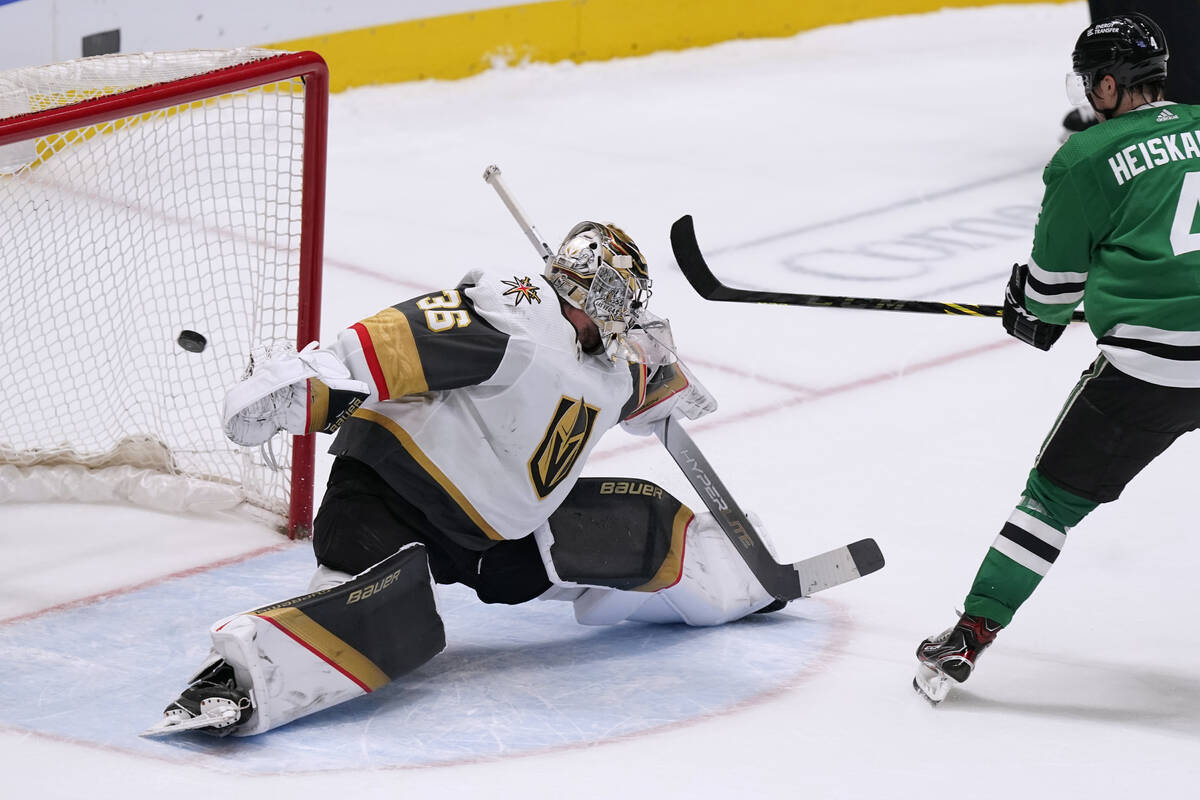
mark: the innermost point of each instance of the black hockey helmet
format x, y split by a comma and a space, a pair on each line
1130, 47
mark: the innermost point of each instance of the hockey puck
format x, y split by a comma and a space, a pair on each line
191, 341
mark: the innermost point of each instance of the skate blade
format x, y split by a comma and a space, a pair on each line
931, 684
168, 726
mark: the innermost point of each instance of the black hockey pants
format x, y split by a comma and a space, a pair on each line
1111, 427
362, 521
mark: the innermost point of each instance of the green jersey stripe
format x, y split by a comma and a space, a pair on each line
1159, 335
1042, 530
1152, 368
1070, 294
1006, 546
1045, 276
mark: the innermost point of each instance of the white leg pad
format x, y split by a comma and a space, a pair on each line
325, 578
593, 605
602, 606
715, 585
285, 679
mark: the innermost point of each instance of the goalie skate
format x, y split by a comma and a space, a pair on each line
212, 703
215, 713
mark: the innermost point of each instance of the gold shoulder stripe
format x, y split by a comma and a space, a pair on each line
410, 446
395, 353
329, 648
671, 569
318, 405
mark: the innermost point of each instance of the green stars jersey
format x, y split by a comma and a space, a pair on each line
1118, 230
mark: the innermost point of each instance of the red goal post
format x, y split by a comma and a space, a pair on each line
142, 195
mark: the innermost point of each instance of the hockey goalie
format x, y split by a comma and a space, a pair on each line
464, 418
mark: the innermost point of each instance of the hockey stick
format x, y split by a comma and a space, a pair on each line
696, 270
491, 176
783, 581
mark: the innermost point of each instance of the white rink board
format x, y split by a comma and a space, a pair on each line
51, 30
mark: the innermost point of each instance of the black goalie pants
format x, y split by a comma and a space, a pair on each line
620, 533
362, 521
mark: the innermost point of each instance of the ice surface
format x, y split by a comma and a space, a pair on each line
508, 684
896, 158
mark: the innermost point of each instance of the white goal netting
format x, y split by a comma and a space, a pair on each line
115, 236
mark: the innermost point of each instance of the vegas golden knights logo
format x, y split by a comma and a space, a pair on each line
562, 445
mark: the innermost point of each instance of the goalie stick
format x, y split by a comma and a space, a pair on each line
783, 581
491, 176
695, 269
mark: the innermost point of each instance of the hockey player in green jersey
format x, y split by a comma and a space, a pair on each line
1117, 231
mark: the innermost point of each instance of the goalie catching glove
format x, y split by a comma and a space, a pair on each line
672, 388
300, 393
1019, 321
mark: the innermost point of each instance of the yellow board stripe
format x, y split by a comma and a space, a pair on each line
331, 649
394, 353
671, 570
459, 45
410, 446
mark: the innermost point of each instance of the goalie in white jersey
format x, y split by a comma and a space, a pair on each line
464, 420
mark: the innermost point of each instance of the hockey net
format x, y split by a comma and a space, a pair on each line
142, 195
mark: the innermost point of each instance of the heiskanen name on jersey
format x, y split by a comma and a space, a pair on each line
1138, 173
1138, 158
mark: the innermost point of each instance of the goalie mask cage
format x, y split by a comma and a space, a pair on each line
142, 195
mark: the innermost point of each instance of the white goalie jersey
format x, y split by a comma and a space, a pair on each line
482, 408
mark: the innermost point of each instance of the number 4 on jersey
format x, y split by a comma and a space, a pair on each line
1183, 240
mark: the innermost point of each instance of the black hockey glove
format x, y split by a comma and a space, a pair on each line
1019, 321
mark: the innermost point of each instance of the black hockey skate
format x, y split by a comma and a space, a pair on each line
211, 703
952, 655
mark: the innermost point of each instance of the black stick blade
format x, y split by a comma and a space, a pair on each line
867, 556
690, 259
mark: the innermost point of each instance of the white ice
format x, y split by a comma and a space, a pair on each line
891, 158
